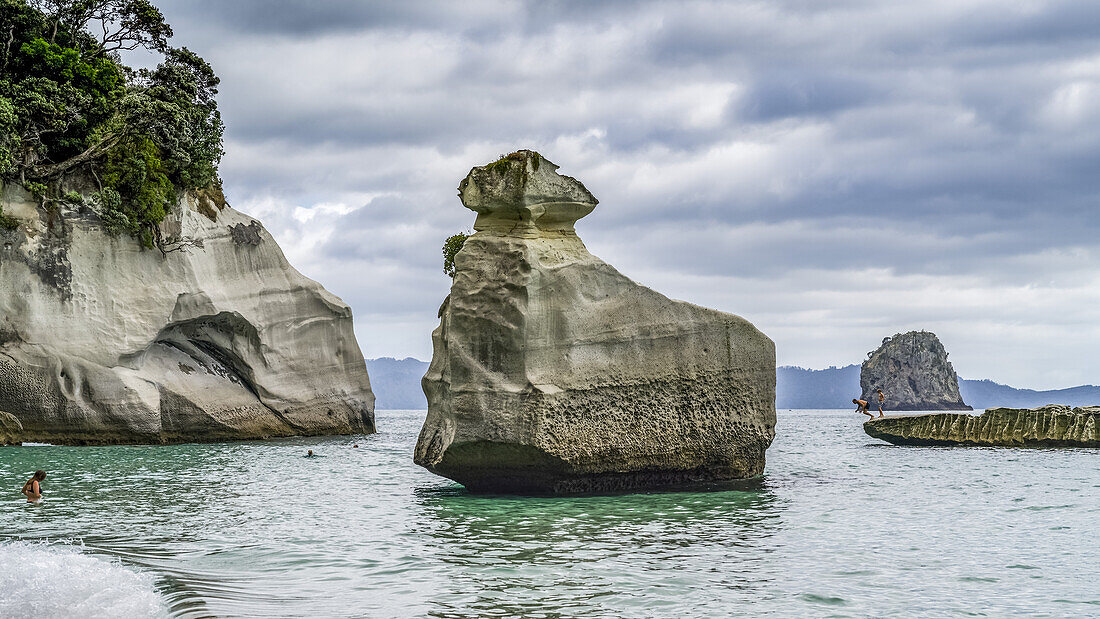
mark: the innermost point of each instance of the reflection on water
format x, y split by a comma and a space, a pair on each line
839, 524
518, 555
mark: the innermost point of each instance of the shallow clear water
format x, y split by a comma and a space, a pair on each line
840, 525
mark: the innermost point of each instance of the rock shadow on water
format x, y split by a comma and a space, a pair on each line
574, 552
748, 506
750, 484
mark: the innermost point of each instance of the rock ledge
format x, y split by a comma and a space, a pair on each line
1047, 426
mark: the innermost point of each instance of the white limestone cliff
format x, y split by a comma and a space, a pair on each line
104, 342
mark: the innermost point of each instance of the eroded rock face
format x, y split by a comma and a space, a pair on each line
103, 342
552, 372
913, 373
1047, 426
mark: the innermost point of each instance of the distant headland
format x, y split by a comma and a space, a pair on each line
396, 384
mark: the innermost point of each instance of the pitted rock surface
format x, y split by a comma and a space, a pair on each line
913, 373
1047, 426
124, 345
552, 372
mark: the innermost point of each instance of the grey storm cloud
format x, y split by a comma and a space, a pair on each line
835, 172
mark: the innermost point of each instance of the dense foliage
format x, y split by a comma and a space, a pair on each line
451, 248
70, 107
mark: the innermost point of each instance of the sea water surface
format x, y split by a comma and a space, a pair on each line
840, 525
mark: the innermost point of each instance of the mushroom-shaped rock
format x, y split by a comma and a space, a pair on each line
523, 193
553, 373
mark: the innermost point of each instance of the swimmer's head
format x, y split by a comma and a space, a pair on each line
309, 453
40, 474
855, 401
355, 446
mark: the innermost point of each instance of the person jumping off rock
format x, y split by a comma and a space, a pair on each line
862, 406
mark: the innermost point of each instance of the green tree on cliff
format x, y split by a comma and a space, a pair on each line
70, 107
451, 248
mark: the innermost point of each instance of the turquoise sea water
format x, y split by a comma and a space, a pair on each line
840, 525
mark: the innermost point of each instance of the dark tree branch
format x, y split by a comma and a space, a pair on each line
7, 47
93, 153
98, 184
178, 243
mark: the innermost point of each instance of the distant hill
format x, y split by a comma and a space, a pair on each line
396, 385
834, 387
987, 394
797, 387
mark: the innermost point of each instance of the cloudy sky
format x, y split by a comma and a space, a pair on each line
836, 172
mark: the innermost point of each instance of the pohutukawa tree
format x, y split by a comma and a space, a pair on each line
69, 107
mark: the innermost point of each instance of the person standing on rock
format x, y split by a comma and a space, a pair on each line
33, 488
862, 406
881, 399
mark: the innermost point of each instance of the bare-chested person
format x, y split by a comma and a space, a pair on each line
862, 406
881, 399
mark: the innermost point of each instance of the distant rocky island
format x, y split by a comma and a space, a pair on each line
913, 372
102, 341
554, 373
1047, 426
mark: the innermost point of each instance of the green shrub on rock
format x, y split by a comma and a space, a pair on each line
115, 219
135, 170
451, 248
38, 189
7, 222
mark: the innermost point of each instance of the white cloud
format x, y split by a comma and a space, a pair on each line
836, 172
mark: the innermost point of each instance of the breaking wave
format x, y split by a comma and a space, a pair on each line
58, 580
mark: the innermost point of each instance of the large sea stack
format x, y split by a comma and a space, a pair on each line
554, 373
913, 372
102, 341
1047, 426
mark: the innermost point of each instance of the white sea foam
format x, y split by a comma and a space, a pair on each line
58, 580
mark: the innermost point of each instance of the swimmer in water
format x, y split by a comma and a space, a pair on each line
33, 488
355, 446
309, 454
